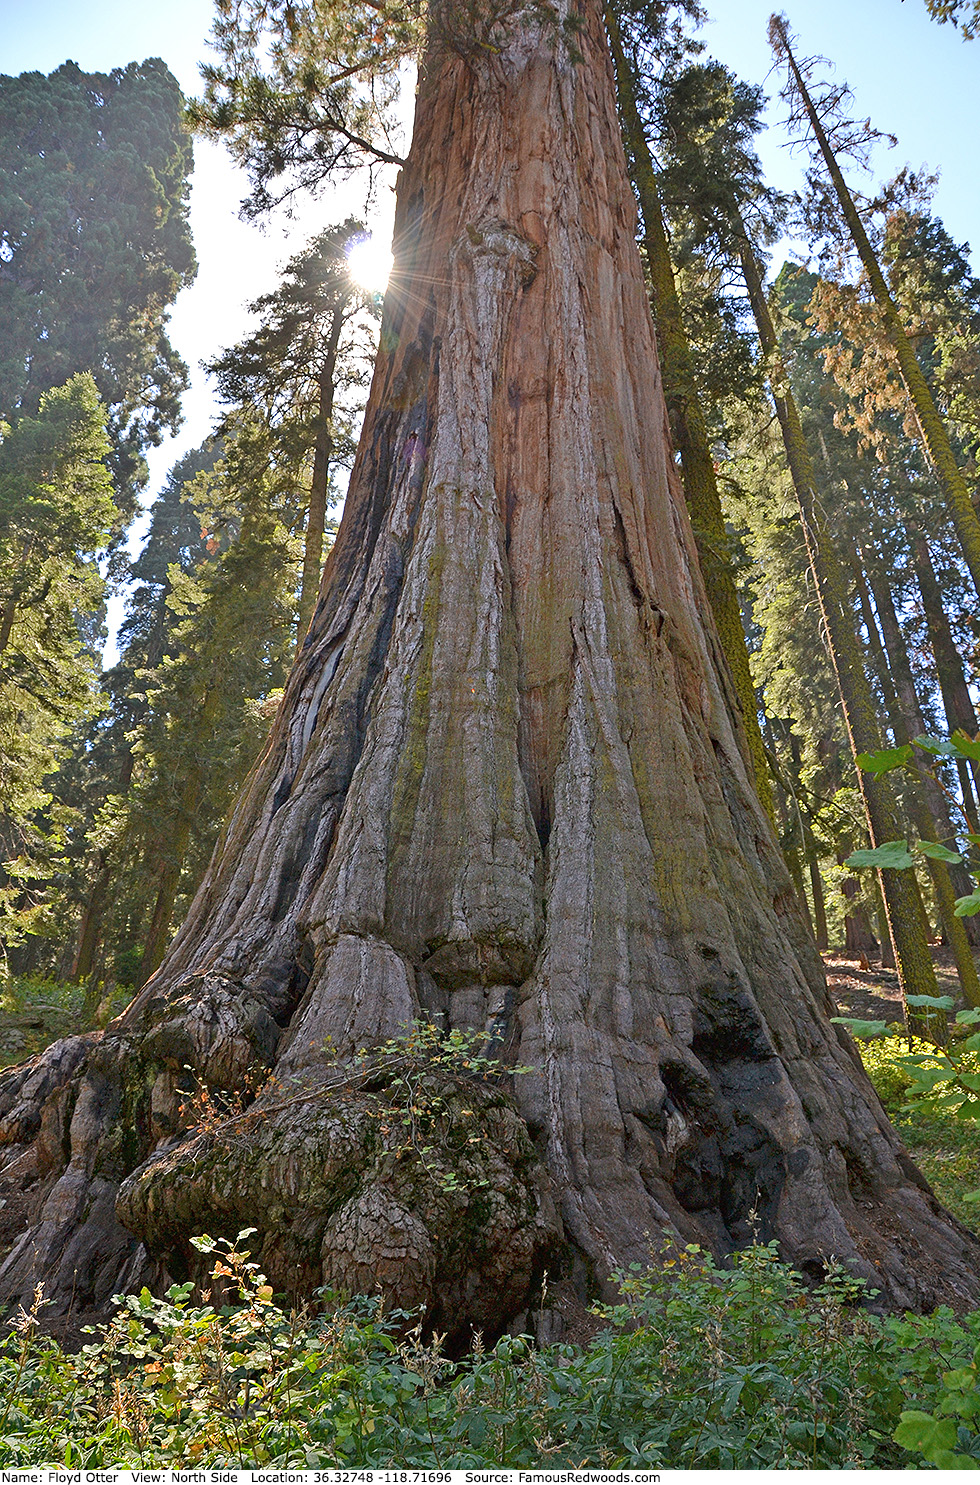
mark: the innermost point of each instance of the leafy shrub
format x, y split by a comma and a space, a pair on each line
696, 1367
933, 1096
949, 1436
881, 1061
22, 992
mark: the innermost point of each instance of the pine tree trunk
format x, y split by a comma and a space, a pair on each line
810, 851
316, 515
879, 658
884, 937
189, 798
899, 665
504, 788
920, 796
90, 929
957, 703
687, 422
859, 936
903, 905
819, 902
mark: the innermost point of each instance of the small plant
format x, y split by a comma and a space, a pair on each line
882, 1047
416, 1075
949, 1436
936, 1081
204, 1108
698, 1366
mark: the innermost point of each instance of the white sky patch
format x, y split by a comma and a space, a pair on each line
369, 260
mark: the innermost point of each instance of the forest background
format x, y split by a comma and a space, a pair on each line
887, 53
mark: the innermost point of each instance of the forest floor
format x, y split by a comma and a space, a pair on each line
33, 1014
872, 994
945, 1148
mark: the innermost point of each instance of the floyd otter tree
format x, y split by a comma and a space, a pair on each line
504, 792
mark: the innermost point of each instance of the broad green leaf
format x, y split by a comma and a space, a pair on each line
968, 1018
939, 747
935, 1002
923, 1432
966, 746
936, 852
891, 854
865, 1030
928, 1079
885, 759
967, 907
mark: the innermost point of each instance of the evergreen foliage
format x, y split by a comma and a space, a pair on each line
94, 246
306, 367
56, 514
300, 93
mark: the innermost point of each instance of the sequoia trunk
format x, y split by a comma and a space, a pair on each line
504, 789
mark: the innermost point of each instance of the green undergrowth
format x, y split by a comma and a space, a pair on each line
694, 1368
36, 1010
944, 1144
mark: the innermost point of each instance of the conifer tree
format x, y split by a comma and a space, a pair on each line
711, 124
94, 247
862, 491
211, 695
306, 366
96, 781
300, 95
687, 419
56, 513
932, 430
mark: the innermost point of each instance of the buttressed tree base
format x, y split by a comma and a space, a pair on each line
505, 789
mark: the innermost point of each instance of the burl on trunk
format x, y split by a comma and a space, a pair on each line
505, 789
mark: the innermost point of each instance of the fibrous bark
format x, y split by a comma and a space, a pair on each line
505, 789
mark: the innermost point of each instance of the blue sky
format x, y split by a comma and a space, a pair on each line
914, 78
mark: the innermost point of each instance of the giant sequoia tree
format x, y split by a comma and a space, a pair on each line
505, 790
94, 246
